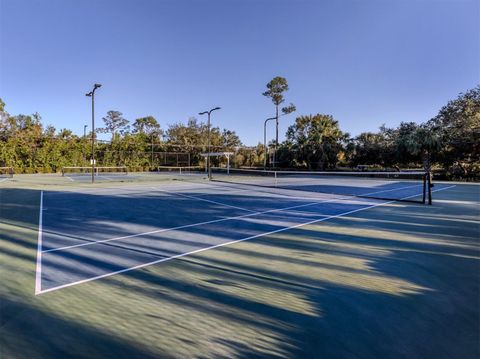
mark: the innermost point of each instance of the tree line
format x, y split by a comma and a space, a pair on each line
449, 143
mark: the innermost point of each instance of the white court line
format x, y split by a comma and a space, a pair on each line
202, 199
342, 198
228, 243
38, 274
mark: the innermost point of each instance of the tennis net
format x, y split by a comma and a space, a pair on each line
78, 171
179, 170
412, 186
6, 172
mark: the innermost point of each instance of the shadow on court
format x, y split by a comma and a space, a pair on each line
394, 281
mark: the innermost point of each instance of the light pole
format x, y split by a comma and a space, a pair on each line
265, 141
209, 169
151, 160
84, 150
92, 95
276, 139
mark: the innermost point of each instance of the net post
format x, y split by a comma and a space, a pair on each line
424, 178
429, 186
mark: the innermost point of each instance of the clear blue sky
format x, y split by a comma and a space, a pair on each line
366, 62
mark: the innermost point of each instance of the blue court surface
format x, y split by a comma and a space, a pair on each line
89, 234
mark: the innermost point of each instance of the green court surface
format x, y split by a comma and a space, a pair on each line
388, 280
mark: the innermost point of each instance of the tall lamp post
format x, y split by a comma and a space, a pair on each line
276, 139
209, 169
92, 95
84, 150
265, 141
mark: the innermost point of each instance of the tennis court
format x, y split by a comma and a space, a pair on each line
174, 265
121, 174
91, 234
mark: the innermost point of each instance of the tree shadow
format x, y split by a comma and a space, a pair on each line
360, 286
